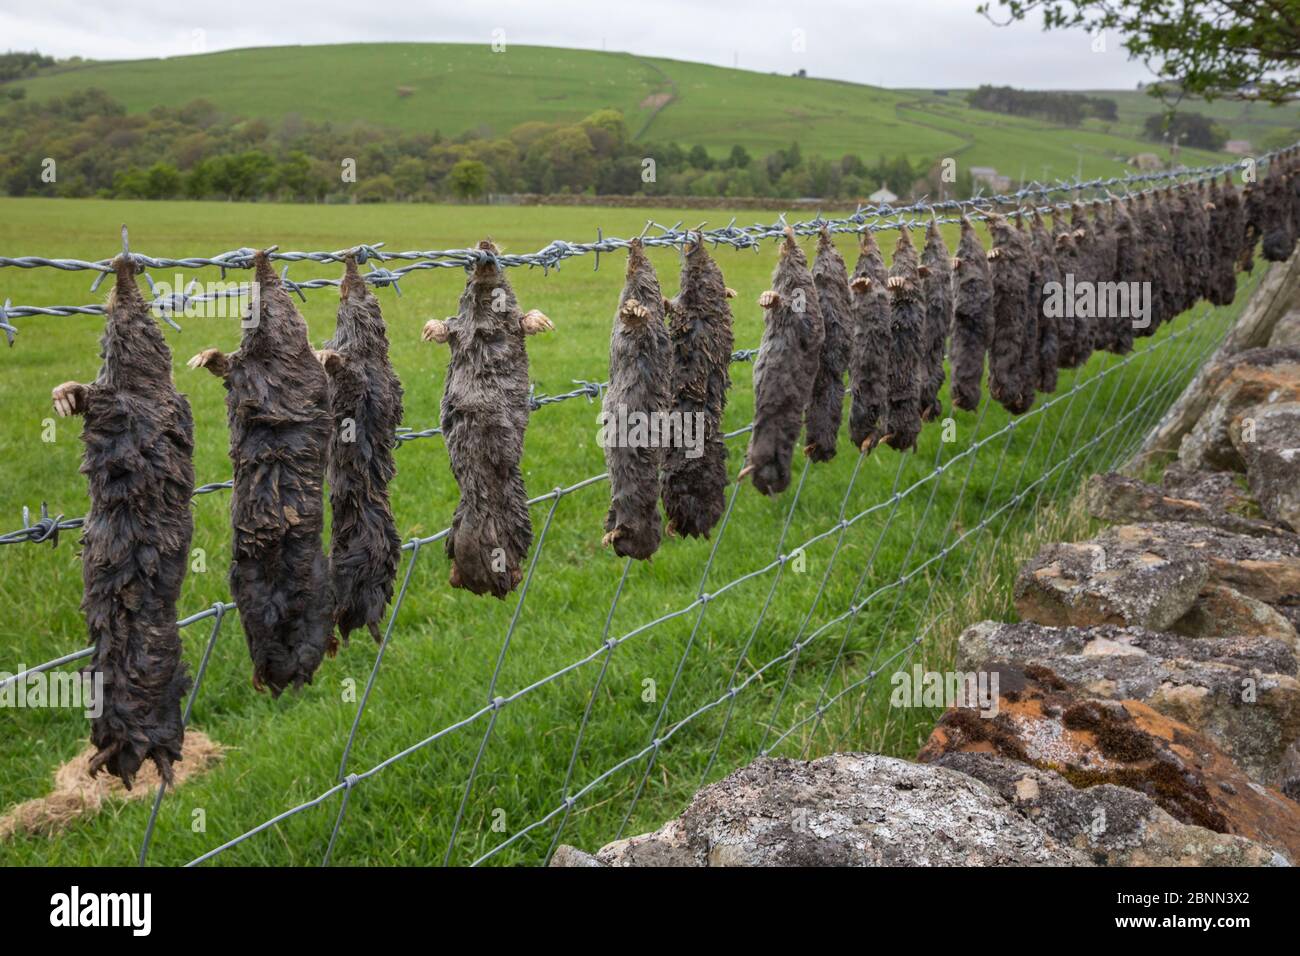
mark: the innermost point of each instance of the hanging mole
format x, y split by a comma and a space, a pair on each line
1173, 280
277, 402
639, 370
826, 407
1073, 332
1276, 225
1150, 225
1011, 376
937, 288
972, 322
366, 400
484, 416
1047, 272
699, 329
139, 448
786, 367
1227, 235
1128, 268
906, 321
869, 358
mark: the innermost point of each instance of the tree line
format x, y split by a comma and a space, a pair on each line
1067, 109
87, 144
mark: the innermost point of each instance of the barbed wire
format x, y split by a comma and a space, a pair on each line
873, 217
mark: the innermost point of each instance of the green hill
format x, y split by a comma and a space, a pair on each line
456, 88
1259, 123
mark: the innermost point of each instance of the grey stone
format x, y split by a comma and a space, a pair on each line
1118, 498
1219, 490
1221, 611
1094, 582
566, 855
845, 810
1264, 567
1252, 377
1286, 331
1271, 451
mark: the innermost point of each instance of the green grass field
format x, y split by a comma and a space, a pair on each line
446, 643
460, 87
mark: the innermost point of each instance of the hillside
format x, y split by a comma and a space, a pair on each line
1243, 119
455, 88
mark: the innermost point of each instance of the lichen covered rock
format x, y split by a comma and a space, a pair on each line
842, 810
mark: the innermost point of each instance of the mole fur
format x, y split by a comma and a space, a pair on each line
639, 371
485, 413
138, 434
366, 401
788, 358
277, 403
699, 330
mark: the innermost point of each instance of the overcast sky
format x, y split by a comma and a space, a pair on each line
899, 43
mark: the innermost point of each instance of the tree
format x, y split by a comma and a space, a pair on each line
294, 175
1186, 129
162, 181
739, 158
607, 131
246, 174
1209, 48
130, 184
561, 161
793, 156
13, 65
408, 176
699, 158
468, 179
378, 188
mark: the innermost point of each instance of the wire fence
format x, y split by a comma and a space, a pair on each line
790, 667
